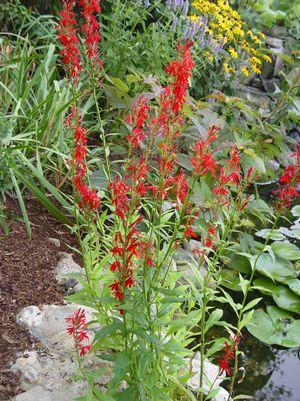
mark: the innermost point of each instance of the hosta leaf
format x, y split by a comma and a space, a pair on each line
286, 250
286, 299
275, 326
265, 286
239, 263
278, 269
230, 279
295, 286
275, 235
283, 296
296, 211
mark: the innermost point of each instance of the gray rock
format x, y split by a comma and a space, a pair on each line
38, 393
65, 271
187, 262
274, 43
257, 97
276, 46
273, 165
48, 325
55, 242
212, 378
284, 158
49, 374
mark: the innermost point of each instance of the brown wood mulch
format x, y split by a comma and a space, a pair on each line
26, 278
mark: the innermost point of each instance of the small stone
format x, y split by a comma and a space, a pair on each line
76, 288
66, 269
273, 165
55, 242
28, 366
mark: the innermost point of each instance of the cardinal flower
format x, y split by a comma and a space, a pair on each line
77, 327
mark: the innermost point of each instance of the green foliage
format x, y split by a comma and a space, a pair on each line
168, 314
273, 11
275, 327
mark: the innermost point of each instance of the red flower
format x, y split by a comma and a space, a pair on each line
77, 329
224, 366
90, 29
89, 198
67, 35
212, 231
181, 71
137, 119
180, 186
228, 355
117, 291
119, 189
189, 232
203, 161
288, 183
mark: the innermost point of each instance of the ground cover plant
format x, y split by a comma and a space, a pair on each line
131, 131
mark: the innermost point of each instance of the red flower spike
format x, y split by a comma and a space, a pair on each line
67, 35
228, 355
90, 29
77, 329
203, 161
137, 119
89, 198
288, 183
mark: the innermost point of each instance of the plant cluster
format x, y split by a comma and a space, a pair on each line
160, 185
147, 315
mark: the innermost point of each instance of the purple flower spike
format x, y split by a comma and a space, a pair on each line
185, 8
146, 3
174, 23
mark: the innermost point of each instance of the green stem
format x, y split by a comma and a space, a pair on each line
103, 137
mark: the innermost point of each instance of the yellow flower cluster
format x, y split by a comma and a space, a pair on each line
226, 23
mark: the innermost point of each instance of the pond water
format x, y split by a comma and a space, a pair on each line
272, 374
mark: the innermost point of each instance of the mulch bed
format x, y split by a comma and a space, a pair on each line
26, 278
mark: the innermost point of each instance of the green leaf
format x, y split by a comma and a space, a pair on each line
295, 286
214, 318
265, 285
286, 250
275, 327
22, 205
251, 304
230, 279
296, 211
109, 330
246, 319
120, 84
184, 161
275, 235
286, 299
240, 263
250, 159
121, 364
42, 198
279, 269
